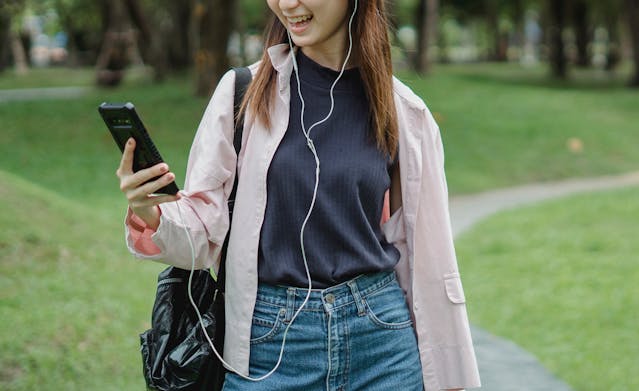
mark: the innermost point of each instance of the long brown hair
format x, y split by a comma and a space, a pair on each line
371, 51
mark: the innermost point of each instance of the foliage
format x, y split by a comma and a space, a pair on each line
79, 15
254, 13
12, 7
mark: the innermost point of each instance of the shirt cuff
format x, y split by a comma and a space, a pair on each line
140, 235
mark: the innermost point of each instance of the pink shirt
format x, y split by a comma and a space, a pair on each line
420, 229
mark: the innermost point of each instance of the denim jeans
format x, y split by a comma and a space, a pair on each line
355, 336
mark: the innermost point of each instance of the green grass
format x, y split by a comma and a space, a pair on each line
63, 77
504, 125
72, 300
501, 126
64, 146
47, 77
560, 279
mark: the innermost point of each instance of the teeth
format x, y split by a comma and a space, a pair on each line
299, 19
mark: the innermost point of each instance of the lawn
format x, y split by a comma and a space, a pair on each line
72, 300
505, 125
47, 77
560, 279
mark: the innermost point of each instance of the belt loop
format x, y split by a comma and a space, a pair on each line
359, 302
290, 304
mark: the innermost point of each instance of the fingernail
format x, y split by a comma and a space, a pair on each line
130, 142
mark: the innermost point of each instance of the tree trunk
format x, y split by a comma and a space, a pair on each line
500, 41
613, 47
180, 41
19, 56
518, 16
153, 50
5, 42
557, 21
582, 32
215, 19
114, 53
427, 20
632, 12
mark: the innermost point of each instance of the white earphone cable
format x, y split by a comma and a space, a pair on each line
308, 215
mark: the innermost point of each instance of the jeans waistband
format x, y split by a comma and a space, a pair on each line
332, 297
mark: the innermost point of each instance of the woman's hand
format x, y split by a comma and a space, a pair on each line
139, 194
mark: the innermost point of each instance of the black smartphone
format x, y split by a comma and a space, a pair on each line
123, 122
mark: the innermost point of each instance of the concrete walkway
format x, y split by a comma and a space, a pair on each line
26, 94
503, 365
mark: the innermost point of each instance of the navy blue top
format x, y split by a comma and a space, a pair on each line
343, 236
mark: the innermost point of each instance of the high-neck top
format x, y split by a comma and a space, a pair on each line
323, 77
343, 236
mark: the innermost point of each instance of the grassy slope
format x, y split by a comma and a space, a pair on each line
560, 279
67, 148
72, 301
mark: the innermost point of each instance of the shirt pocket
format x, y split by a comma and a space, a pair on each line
454, 289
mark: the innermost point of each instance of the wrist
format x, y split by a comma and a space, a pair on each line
149, 215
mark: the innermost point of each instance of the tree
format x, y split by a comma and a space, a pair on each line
8, 9
81, 21
583, 32
116, 46
214, 20
556, 24
427, 21
170, 43
632, 12
5, 42
493, 14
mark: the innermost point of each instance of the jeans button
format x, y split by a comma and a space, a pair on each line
330, 298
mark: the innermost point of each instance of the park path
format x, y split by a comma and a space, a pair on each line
503, 365
27, 94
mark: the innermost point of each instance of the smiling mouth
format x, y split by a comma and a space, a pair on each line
299, 20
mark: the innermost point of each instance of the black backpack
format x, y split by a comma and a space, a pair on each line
175, 352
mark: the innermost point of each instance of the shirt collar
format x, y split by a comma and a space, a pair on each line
282, 62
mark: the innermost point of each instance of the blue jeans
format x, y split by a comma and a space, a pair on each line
355, 336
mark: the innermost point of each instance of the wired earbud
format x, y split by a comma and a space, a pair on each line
311, 146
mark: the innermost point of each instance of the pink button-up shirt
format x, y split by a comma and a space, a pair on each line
420, 229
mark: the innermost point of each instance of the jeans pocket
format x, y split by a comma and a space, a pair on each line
387, 308
267, 322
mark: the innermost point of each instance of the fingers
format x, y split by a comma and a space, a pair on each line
142, 197
153, 186
126, 164
132, 180
140, 185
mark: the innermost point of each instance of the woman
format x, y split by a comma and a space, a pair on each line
319, 294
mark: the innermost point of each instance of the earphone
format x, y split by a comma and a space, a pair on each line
311, 147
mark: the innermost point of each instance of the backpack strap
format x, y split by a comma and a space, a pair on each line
243, 78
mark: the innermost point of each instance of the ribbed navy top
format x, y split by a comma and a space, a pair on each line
343, 236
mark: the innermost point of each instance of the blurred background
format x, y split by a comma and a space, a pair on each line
524, 91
